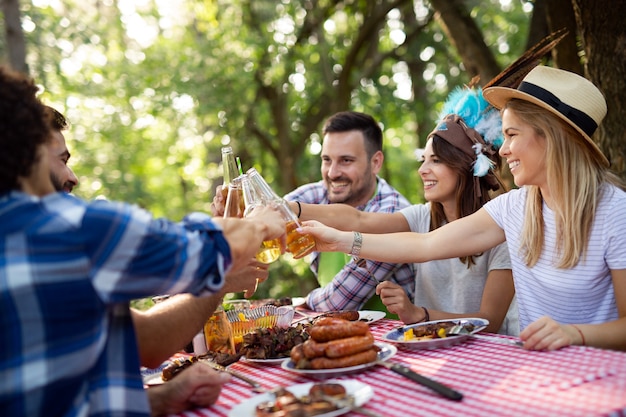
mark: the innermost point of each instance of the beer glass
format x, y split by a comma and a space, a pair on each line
298, 244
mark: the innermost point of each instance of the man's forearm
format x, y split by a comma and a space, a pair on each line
168, 326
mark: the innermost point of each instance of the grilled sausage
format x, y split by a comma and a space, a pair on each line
338, 331
348, 346
312, 349
331, 389
326, 321
360, 358
296, 353
343, 314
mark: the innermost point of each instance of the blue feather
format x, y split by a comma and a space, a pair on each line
470, 104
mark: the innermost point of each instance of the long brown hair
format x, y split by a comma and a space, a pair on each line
467, 200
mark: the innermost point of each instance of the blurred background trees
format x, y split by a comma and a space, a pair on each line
154, 88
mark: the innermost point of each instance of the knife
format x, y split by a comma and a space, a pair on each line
438, 387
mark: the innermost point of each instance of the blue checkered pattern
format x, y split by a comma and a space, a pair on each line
68, 271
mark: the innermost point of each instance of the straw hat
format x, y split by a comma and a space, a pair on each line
569, 96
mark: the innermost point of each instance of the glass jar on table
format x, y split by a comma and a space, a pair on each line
218, 333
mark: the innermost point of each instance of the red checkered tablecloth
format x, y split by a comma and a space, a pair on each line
495, 379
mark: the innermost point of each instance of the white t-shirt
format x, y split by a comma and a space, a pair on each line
448, 284
583, 294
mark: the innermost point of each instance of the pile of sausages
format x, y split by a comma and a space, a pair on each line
335, 343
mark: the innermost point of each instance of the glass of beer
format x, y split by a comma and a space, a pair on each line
297, 244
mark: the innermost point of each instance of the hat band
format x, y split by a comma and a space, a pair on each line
579, 118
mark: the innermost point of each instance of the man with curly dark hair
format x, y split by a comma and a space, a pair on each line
68, 270
25, 125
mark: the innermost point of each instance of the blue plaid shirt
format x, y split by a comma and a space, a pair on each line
67, 274
353, 285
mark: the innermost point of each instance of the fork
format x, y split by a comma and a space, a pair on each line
256, 387
459, 329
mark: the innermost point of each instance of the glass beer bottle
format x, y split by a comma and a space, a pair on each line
234, 201
229, 166
297, 244
270, 249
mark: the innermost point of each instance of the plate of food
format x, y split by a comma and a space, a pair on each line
384, 351
325, 399
171, 368
435, 334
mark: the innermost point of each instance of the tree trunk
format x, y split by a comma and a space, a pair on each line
603, 36
14, 35
559, 15
467, 38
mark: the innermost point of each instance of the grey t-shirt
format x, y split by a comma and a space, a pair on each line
448, 284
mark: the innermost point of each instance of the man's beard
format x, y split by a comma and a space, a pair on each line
60, 186
354, 196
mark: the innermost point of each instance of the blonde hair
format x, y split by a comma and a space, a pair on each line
575, 177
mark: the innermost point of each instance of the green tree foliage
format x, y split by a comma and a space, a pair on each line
153, 89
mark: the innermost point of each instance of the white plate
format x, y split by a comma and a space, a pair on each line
361, 392
386, 352
397, 336
371, 316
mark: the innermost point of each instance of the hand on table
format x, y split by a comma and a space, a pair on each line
547, 334
198, 386
397, 302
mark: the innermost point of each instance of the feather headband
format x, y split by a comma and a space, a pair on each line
471, 124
